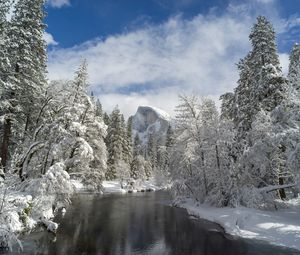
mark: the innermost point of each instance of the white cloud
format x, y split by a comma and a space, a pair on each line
284, 60
197, 55
128, 104
266, 1
154, 64
49, 39
58, 3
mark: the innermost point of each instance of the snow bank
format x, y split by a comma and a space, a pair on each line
112, 187
280, 227
115, 187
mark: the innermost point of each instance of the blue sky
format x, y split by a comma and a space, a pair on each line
148, 51
86, 19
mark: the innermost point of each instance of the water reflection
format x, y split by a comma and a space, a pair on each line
137, 224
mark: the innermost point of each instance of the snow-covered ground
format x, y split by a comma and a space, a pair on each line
280, 227
115, 187
110, 187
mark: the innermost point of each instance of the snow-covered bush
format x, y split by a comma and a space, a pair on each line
54, 187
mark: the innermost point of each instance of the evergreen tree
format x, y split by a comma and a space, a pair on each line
261, 84
24, 92
99, 111
148, 169
138, 165
115, 142
7, 91
261, 92
294, 69
269, 87
152, 152
106, 118
127, 143
169, 137
264, 49
129, 130
28, 59
137, 144
228, 110
241, 110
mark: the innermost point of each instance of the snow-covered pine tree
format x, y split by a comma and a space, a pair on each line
169, 137
138, 165
99, 110
95, 134
268, 92
129, 132
261, 84
261, 91
137, 145
7, 91
93, 127
264, 49
114, 142
268, 86
227, 106
106, 118
240, 109
28, 60
152, 152
294, 69
127, 141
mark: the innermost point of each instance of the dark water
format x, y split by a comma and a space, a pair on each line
137, 224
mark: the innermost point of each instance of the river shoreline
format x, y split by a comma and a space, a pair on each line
280, 227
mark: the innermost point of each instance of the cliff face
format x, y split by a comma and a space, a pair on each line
149, 120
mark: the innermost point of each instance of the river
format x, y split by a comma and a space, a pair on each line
137, 224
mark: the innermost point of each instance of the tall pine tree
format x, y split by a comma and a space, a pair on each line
7, 91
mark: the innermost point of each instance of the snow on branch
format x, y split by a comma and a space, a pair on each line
271, 188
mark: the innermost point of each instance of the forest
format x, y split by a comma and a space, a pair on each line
52, 133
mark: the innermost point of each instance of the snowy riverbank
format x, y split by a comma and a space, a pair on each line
115, 187
110, 187
280, 227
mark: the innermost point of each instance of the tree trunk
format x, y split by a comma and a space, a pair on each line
26, 125
282, 150
282, 194
218, 157
5, 143
23, 164
46, 161
204, 173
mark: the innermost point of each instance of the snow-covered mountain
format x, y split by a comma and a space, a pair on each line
150, 120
